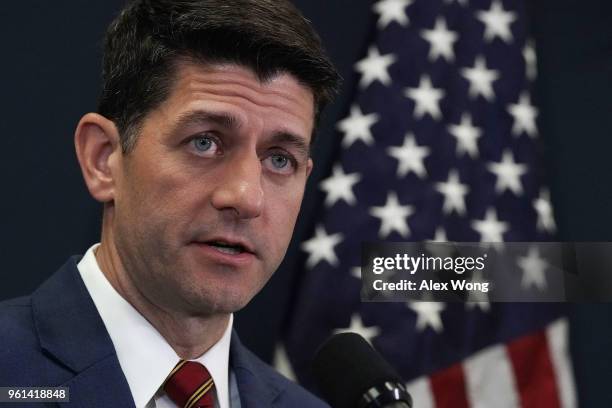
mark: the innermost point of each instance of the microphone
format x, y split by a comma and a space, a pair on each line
351, 374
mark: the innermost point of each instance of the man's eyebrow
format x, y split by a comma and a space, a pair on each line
231, 122
224, 120
299, 143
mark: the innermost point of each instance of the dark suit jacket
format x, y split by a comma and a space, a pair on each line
55, 337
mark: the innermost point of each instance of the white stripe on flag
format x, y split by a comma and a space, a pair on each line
557, 335
420, 391
490, 379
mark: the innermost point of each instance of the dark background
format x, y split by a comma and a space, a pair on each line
49, 73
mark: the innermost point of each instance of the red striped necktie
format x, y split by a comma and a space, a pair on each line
190, 385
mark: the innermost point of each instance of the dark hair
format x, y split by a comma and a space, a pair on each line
145, 42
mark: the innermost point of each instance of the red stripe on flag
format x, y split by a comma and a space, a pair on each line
448, 388
533, 371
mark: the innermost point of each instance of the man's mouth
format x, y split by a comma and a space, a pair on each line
227, 248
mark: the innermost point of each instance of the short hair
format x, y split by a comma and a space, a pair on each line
146, 40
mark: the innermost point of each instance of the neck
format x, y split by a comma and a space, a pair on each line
190, 336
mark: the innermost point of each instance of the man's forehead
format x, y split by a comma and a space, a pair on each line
280, 93
278, 82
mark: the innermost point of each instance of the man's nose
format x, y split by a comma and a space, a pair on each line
239, 189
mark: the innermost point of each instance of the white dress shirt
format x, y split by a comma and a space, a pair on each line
145, 356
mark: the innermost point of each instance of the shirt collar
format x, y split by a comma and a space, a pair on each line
145, 356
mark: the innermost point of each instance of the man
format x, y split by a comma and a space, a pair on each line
199, 153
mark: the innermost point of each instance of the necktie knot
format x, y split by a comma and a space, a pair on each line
190, 385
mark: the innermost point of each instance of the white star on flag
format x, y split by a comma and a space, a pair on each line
357, 326
477, 299
339, 186
321, 247
473, 301
410, 157
357, 127
491, 229
483, 305
481, 79
462, 2
441, 41
534, 268
375, 67
508, 173
524, 115
393, 217
440, 235
426, 98
531, 62
432, 246
467, 136
428, 315
454, 193
391, 10
497, 22
542, 205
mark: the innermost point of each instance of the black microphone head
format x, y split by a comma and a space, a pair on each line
346, 367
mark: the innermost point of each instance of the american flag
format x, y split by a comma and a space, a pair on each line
440, 143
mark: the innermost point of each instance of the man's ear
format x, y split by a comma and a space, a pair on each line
96, 141
309, 167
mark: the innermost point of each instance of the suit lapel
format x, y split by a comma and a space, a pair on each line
72, 333
100, 386
256, 387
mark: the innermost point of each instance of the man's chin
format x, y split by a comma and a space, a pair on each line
218, 288
220, 302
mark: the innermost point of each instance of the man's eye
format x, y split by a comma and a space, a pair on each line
280, 163
205, 144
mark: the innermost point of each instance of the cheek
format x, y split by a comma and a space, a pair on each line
159, 199
171, 183
284, 208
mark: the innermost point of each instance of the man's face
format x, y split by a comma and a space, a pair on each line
206, 203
